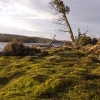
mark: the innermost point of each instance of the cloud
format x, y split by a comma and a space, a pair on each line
19, 15
22, 10
33, 17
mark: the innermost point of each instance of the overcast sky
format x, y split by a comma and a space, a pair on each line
34, 17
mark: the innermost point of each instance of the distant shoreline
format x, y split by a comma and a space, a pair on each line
3, 44
26, 39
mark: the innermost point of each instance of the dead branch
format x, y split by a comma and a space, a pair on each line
49, 45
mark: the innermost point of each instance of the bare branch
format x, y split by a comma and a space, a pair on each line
92, 35
60, 30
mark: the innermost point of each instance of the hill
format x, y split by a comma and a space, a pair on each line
62, 75
25, 39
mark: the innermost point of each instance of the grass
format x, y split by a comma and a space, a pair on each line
57, 76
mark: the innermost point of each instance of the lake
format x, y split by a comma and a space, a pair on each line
3, 44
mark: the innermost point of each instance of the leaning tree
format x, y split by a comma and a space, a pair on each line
62, 10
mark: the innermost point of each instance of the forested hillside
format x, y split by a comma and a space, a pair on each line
26, 39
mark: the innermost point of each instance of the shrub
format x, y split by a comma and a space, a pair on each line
93, 57
35, 49
85, 40
94, 41
32, 50
28, 51
44, 53
14, 48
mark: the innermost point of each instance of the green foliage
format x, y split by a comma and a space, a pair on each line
59, 5
85, 40
94, 41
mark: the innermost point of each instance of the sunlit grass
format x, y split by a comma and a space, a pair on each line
61, 76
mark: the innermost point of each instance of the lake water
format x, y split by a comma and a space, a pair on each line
3, 44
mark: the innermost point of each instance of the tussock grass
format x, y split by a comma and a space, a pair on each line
60, 76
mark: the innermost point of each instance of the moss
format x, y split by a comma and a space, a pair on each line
28, 58
52, 77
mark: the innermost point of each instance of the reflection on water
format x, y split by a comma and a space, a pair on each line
3, 44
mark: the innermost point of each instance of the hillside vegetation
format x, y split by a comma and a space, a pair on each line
64, 74
25, 39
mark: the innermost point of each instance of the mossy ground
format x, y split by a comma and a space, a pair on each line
35, 78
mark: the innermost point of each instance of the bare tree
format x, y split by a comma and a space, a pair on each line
62, 11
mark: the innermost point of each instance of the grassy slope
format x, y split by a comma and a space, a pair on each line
32, 78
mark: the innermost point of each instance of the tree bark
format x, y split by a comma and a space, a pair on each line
69, 29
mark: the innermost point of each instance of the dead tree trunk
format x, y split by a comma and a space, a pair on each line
62, 10
69, 29
49, 45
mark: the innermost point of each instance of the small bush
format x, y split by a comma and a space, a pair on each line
44, 53
35, 49
93, 57
32, 50
14, 48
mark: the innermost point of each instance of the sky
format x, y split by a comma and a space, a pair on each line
34, 18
